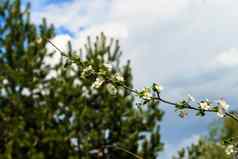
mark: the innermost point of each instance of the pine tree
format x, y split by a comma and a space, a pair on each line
62, 116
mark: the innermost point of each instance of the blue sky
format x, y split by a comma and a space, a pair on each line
189, 46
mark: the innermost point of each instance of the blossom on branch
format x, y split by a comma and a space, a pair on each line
86, 71
145, 94
99, 81
118, 77
157, 87
205, 105
222, 108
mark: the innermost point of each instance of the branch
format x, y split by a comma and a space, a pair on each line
158, 93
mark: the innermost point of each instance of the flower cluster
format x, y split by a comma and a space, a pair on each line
221, 108
87, 71
145, 94
105, 74
99, 81
205, 105
117, 77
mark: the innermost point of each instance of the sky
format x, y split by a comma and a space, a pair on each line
188, 46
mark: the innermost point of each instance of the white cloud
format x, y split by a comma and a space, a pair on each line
64, 14
228, 58
115, 17
153, 8
111, 30
73, 14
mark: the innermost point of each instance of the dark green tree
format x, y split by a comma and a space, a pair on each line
62, 116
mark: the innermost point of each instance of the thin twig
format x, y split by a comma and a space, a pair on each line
125, 150
57, 48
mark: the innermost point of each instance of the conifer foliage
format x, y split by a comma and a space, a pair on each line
51, 111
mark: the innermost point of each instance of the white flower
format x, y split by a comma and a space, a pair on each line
145, 94
108, 67
191, 98
204, 105
222, 108
99, 81
118, 77
229, 149
87, 70
158, 87
111, 89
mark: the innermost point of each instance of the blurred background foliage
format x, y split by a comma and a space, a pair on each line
214, 145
